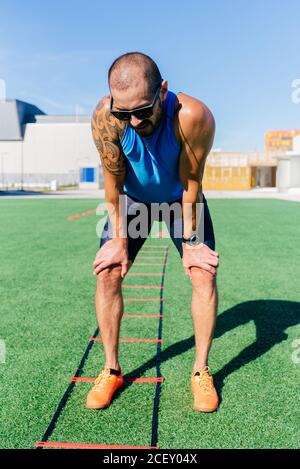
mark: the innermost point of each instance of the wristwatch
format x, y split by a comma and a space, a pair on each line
194, 240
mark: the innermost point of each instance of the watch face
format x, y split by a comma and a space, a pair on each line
194, 240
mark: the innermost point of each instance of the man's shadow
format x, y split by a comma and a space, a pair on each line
271, 319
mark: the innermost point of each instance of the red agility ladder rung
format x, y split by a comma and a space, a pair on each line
57, 444
161, 234
137, 274
145, 380
99, 339
157, 316
88, 212
149, 263
133, 300
142, 286
151, 251
153, 246
79, 215
74, 379
151, 257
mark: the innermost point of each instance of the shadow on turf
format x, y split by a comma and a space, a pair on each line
271, 318
19, 192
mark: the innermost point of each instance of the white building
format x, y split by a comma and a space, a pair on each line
36, 149
296, 145
288, 169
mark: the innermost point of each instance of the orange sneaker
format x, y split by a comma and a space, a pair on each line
106, 385
205, 395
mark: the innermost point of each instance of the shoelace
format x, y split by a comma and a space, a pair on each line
205, 381
101, 380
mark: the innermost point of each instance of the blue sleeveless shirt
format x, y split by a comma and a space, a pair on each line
152, 162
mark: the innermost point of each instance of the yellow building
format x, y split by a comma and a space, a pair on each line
239, 171
246, 170
280, 141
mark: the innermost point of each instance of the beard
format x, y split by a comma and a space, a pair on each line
144, 128
147, 126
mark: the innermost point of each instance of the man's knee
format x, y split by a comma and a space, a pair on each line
203, 280
204, 287
109, 278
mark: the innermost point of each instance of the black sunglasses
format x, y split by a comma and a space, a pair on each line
140, 112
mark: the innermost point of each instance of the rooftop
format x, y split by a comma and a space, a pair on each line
14, 114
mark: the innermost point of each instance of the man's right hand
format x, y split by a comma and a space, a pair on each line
113, 252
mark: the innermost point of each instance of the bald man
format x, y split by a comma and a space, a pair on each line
153, 145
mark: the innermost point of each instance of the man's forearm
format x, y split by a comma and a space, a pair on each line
116, 207
191, 213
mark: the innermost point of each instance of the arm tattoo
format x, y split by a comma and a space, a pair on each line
106, 130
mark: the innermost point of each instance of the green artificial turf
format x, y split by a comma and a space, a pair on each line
47, 315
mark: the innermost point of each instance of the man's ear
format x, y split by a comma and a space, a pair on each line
164, 89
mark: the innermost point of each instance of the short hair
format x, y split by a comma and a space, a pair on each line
147, 66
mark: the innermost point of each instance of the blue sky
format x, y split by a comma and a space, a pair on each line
239, 57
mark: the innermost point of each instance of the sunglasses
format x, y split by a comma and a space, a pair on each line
140, 112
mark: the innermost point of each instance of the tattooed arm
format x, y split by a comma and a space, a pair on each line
107, 132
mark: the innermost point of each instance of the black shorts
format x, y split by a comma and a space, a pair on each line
174, 224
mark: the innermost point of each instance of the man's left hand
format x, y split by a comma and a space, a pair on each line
199, 256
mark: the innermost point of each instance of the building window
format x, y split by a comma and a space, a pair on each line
87, 174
